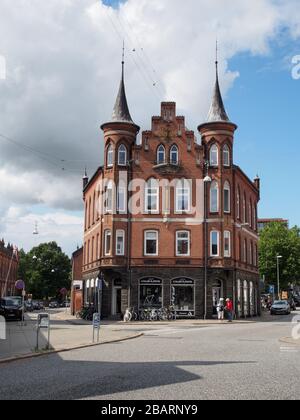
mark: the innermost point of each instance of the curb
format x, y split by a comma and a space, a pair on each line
64, 350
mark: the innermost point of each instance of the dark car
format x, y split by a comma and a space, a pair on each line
29, 306
11, 308
38, 306
53, 305
292, 304
297, 300
280, 307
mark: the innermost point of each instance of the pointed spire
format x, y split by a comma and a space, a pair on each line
217, 111
85, 179
121, 111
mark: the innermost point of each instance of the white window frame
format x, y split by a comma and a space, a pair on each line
226, 153
122, 149
161, 149
214, 149
211, 243
181, 239
155, 188
110, 156
227, 236
147, 232
173, 150
121, 209
227, 188
182, 189
214, 183
109, 198
107, 234
120, 234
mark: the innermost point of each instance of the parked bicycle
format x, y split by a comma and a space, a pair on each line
86, 313
130, 315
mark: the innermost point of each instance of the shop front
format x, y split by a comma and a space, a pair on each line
183, 297
150, 293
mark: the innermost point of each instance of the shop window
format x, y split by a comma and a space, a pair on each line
150, 294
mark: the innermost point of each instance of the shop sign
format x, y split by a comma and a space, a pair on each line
182, 281
150, 281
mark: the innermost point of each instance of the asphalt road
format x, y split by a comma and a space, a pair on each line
170, 362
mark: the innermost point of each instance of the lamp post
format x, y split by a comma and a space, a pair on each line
278, 275
99, 290
207, 180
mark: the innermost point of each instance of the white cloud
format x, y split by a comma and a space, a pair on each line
63, 68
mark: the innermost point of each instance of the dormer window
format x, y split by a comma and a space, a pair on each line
174, 155
214, 155
122, 155
161, 155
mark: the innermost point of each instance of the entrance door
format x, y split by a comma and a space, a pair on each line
117, 301
217, 294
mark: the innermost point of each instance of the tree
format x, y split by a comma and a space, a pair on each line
278, 239
45, 270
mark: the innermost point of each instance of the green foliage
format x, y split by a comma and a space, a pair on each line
277, 239
45, 270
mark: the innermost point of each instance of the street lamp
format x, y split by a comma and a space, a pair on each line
207, 180
278, 275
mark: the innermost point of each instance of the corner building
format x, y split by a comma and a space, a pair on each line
168, 252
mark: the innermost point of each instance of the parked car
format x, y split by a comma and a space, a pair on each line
65, 304
292, 304
29, 307
53, 305
297, 300
11, 308
38, 306
280, 307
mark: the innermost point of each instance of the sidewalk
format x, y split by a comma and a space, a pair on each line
64, 335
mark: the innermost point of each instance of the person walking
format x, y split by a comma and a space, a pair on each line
229, 309
220, 309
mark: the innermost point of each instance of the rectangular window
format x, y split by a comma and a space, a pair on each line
108, 203
152, 197
121, 200
182, 244
120, 242
227, 244
151, 243
214, 244
226, 200
182, 200
107, 242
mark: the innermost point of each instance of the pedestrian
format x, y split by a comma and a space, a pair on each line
229, 309
220, 309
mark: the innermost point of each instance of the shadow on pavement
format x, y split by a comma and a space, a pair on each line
53, 378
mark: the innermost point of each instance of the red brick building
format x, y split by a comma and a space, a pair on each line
8, 269
168, 220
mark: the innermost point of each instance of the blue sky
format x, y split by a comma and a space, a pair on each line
264, 103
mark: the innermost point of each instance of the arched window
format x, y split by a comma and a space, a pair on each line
244, 209
161, 155
174, 155
226, 155
214, 197
152, 196
122, 155
227, 206
110, 156
183, 196
238, 204
214, 155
